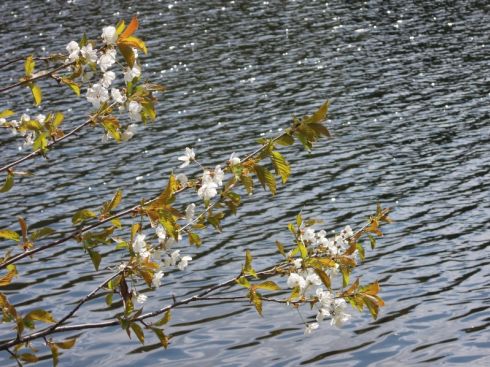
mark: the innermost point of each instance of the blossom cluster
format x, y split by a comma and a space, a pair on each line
15, 127
161, 253
210, 180
309, 284
102, 91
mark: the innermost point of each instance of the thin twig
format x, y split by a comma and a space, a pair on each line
56, 141
117, 215
58, 328
40, 75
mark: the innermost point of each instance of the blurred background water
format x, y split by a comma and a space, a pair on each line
409, 86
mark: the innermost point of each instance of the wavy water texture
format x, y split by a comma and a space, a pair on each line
409, 87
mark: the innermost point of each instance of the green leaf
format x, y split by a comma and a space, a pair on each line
6, 113
164, 339
128, 54
28, 357
167, 195
194, 239
29, 66
280, 248
360, 249
285, 140
9, 235
36, 93
256, 301
302, 250
58, 119
95, 257
7, 278
41, 142
40, 233
109, 206
108, 299
321, 114
372, 241
281, 166
320, 129
243, 282
111, 125
66, 344
73, 85
345, 276
266, 178
9, 182
372, 305
299, 219
247, 269
33, 125
268, 285
139, 332
164, 320
40, 315
82, 215
54, 353
120, 26
324, 278
248, 183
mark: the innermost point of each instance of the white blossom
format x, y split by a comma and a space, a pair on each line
73, 50
172, 259
88, 53
171, 241
107, 79
161, 234
312, 278
218, 175
187, 158
109, 35
322, 313
297, 263
117, 96
234, 159
139, 246
141, 298
296, 280
189, 212
130, 74
97, 95
29, 138
129, 132
208, 189
3, 121
184, 261
339, 316
134, 110
308, 234
157, 279
347, 232
310, 327
41, 118
107, 60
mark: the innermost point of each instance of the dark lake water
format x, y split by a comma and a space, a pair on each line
409, 86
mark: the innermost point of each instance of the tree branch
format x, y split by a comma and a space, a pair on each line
56, 141
40, 75
58, 328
